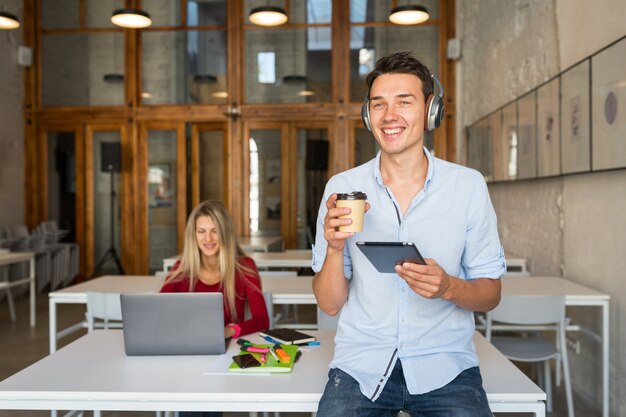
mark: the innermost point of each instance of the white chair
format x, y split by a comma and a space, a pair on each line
105, 307
525, 311
326, 322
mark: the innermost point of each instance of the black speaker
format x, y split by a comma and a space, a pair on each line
110, 157
316, 155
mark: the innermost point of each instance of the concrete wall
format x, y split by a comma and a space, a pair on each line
11, 125
573, 225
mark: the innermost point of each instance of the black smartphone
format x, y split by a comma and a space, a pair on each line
246, 361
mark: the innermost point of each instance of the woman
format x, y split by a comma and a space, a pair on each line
212, 261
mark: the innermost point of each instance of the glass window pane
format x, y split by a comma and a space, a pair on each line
163, 12
312, 167
60, 14
212, 165
162, 207
98, 12
184, 67
265, 182
365, 146
362, 11
302, 65
206, 12
367, 45
62, 181
83, 69
106, 195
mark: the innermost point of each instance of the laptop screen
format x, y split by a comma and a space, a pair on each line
173, 323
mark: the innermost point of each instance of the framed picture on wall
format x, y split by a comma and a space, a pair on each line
527, 136
575, 127
548, 130
609, 107
479, 148
160, 193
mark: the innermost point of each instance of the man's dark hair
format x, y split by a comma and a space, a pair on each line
402, 63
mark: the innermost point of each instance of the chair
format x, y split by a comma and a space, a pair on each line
326, 322
105, 307
525, 311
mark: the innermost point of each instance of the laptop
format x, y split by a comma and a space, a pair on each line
173, 323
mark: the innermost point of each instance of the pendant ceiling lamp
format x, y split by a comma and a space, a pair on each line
8, 21
408, 15
268, 16
131, 18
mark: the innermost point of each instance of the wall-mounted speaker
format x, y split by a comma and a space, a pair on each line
110, 157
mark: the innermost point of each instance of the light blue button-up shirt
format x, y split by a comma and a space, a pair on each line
450, 220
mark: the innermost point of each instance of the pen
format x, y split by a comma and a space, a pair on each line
269, 339
274, 355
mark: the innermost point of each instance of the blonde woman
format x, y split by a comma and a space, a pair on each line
212, 261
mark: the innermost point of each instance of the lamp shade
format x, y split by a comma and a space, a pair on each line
131, 18
8, 21
408, 15
268, 16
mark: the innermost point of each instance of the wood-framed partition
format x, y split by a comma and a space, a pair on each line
133, 118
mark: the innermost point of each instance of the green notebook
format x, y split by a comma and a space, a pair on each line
271, 365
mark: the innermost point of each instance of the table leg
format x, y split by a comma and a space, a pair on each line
605, 359
52, 311
33, 316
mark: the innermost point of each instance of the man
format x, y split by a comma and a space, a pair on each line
404, 340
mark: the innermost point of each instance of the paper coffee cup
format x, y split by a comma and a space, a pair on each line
356, 201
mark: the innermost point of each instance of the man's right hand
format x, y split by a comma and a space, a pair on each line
336, 239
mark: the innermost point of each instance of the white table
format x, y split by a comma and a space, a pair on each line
77, 294
15, 258
290, 290
516, 265
93, 373
288, 259
575, 295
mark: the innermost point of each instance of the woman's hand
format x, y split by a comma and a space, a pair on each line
229, 332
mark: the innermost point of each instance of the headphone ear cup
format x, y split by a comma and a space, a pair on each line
365, 115
434, 112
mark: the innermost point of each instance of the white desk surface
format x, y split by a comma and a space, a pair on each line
287, 259
532, 285
259, 243
7, 258
108, 283
94, 373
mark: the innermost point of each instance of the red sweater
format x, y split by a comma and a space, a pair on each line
247, 290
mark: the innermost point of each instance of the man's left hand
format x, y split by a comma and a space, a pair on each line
429, 281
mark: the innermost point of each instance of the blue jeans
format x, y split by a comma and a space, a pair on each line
463, 397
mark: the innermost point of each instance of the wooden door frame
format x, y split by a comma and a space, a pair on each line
123, 194
142, 200
42, 178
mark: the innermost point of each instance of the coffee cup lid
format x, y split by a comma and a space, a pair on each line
354, 195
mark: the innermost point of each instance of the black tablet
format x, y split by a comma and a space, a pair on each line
386, 255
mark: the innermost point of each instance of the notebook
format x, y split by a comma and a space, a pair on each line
173, 323
271, 366
288, 336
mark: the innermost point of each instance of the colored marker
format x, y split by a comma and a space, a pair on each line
284, 357
274, 355
254, 349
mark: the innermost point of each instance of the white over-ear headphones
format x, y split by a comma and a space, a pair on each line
432, 116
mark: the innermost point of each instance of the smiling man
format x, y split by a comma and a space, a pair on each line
404, 340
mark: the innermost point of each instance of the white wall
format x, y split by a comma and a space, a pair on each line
573, 225
11, 125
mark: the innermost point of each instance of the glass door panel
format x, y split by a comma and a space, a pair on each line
106, 181
162, 197
365, 146
209, 162
61, 181
265, 179
311, 176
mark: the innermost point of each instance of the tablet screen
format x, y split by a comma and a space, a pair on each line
386, 255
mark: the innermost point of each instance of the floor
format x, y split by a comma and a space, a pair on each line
22, 345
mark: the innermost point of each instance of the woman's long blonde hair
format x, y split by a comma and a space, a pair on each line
228, 255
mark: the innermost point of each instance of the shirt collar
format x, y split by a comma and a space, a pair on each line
429, 175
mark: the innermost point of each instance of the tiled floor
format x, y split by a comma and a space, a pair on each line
21, 345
